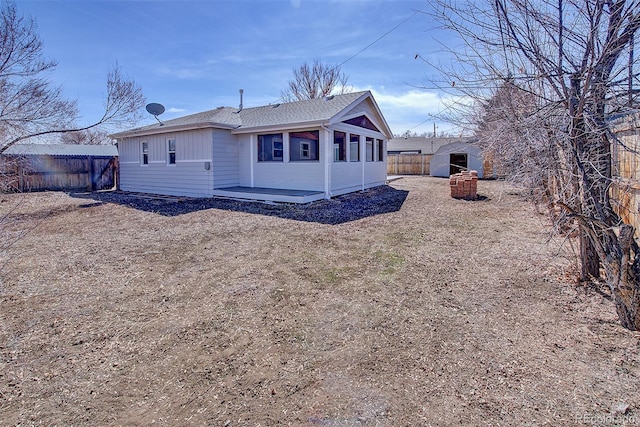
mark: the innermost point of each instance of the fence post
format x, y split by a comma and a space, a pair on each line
20, 179
91, 185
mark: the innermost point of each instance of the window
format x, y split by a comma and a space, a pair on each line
145, 153
171, 148
380, 147
363, 122
339, 146
305, 150
270, 147
369, 147
304, 145
354, 147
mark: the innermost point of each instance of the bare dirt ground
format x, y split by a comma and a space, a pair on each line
438, 312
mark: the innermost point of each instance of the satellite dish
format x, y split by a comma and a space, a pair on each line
155, 110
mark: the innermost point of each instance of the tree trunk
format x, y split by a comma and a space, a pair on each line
623, 267
590, 263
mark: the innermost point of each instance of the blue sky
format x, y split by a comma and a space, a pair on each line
193, 56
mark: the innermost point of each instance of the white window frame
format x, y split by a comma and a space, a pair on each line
380, 149
175, 150
274, 150
144, 153
357, 144
369, 142
305, 150
336, 146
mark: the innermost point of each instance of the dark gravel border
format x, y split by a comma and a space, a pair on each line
341, 209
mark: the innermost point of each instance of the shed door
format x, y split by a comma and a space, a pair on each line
457, 163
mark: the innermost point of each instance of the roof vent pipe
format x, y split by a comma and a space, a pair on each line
241, 93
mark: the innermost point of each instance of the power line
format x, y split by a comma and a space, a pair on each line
379, 38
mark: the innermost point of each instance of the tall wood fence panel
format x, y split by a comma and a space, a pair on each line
625, 190
409, 164
57, 173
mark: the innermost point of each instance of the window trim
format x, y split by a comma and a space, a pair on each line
380, 151
275, 138
305, 150
302, 142
339, 148
369, 141
144, 154
357, 143
174, 152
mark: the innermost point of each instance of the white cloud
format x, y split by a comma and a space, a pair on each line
413, 100
174, 110
414, 109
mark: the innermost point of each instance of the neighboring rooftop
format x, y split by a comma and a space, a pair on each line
70, 150
420, 144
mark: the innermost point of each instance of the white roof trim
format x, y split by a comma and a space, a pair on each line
383, 127
170, 129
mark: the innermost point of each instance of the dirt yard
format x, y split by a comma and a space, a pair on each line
436, 312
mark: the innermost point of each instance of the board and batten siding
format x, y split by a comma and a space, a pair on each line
189, 176
225, 159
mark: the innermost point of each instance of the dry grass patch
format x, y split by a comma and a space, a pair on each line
440, 312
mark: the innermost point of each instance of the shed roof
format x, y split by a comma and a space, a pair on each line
422, 144
69, 150
319, 110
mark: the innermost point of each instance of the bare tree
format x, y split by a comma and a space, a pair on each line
315, 81
570, 59
29, 105
86, 137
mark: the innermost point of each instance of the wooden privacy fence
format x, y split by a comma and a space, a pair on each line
625, 189
409, 164
57, 173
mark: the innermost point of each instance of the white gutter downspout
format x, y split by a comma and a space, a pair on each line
327, 163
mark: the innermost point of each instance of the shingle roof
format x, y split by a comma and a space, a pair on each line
312, 110
62, 150
226, 117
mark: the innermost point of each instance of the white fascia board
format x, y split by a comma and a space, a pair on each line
384, 126
280, 127
170, 129
387, 129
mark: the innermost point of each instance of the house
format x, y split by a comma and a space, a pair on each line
290, 152
433, 156
40, 167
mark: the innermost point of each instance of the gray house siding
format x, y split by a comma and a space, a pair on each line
225, 159
245, 161
187, 177
346, 177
